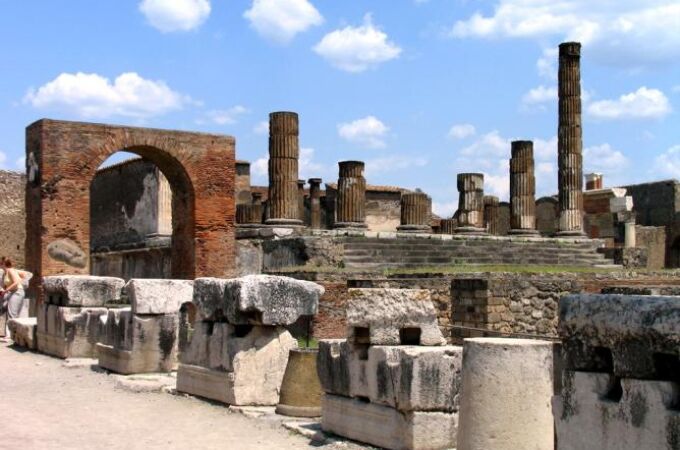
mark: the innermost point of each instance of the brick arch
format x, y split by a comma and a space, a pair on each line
62, 159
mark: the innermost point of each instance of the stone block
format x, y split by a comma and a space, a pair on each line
257, 299
237, 365
82, 290
158, 296
599, 411
392, 317
387, 427
621, 204
332, 366
139, 344
69, 332
631, 336
22, 332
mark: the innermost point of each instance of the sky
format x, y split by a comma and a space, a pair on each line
418, 89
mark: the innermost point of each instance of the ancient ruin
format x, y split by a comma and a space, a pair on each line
415, 213
470, 203
284, 151
522, 189
350, 212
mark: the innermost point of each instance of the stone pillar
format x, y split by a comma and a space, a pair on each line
256, 209
301, 200
593, 181
569, 142
522, 189
283, 169
470, 203
491, 212
242, 214
630, 240
448, 226
315, 202
415, 213
350, 210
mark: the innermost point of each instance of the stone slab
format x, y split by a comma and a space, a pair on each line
386, 427
632, 336
82, 290
22, 332
148, 296
69, 332
332, 366
644, 414
391, 316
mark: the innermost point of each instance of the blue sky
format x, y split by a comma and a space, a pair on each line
419, 89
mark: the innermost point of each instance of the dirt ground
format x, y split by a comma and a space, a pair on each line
48, 406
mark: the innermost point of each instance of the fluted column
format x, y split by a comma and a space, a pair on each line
491, 212
448, 226
522, 189
350, 208
284, 150
415, 213
470, 203
242, 214
315, 202
301, 200
569, 141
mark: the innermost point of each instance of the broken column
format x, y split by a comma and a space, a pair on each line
315, 203
301, 200
350, 207
448, 226
243, 214
415, 213
239, 349
522, 189
507, 386
284, 151
71, 319
256, 208
569, 141
143, 338
491, 214
393, 383
470, 203
619, 387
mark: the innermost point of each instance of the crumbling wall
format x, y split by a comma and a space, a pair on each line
547, 215
654, 240
12, 216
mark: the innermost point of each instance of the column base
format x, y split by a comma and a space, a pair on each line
520, 232
347, 225
576, 234
284, 223
414, 229
470, 230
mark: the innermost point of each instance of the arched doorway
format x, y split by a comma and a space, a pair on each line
62, 159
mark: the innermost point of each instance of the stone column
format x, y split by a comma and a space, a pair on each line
569, 141
315, 202
350, 210
283, 169
491, 218
448, 226
522, 189
301, 200
470, 203
415, 213
242, 214
256, 209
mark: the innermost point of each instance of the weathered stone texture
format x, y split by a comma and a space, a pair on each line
416, 215
82, 290
69, 332
22, 331
158, 296
522, 188
13, 216
492, 215
315, 203
547, 215
284, 151
470, 203
351, 200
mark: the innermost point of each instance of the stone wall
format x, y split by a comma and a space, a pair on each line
503, 218
12, 216
654, 240
134, 263
547, 215
383, 207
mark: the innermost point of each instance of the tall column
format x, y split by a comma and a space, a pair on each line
256, 209
569, 141
491, 212
283, 169
415, 213
470, 203
522, 189
301, 200
315, 202
350, 208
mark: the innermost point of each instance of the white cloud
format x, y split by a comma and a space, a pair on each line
281, 20
309, 168
624, 32
368, 132
603, 158
444, 209
261, 127
490, 144
224, 116
461, 131
259, 171
393, 163
539, 95
547, 63
668, 163
94, 96
356, 49
175, 15
644, 103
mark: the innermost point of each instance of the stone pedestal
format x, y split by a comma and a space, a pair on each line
471, 203
284, 152
569, 142
415, 213
522, 189
350, 210
491, 214
315, 203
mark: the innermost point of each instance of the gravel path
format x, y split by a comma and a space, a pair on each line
49, 406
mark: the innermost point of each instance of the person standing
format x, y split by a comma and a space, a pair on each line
13, 293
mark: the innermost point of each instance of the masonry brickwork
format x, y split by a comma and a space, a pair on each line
12, 216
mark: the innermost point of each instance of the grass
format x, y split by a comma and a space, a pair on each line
509, 268
313, 343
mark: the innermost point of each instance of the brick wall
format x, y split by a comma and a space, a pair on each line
12, 216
